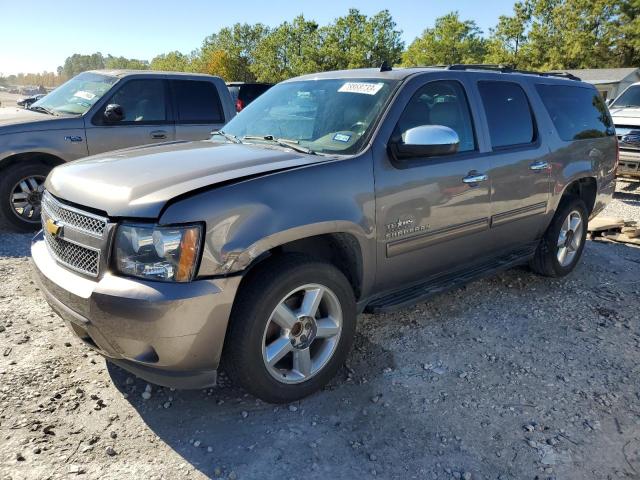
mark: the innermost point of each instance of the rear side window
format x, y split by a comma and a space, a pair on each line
197, 102
576, 112
508, 114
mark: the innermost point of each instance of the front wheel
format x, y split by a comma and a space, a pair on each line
291, 329
21, 188
562, 244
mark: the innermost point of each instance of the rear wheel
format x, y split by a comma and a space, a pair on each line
21, 188
291, 328
562, 244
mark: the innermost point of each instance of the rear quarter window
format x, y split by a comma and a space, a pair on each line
197, 102
577, 112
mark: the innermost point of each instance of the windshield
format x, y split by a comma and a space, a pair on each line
324, 116
629, 98
77, 95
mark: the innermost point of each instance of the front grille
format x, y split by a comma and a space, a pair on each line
80, 238
83, 221
76, 257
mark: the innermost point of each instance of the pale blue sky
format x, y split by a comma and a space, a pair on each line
39, 34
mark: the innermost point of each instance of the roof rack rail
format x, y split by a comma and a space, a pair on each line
506, 69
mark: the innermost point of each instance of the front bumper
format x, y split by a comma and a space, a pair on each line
166, 333
629, 164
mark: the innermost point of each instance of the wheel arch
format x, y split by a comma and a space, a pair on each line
341, 249
585, 188
49, 159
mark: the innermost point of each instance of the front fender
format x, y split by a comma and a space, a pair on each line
248, 218
57, 143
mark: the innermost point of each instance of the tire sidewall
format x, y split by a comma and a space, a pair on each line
572, 204
258, 379
8, 178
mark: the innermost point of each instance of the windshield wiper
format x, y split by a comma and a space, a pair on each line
38, 108
283, 142
228, 136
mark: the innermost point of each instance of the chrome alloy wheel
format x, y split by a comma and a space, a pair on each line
302, 333
26, 196
570, 238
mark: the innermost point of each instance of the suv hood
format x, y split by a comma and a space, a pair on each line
16, 120
625, 116
137, 182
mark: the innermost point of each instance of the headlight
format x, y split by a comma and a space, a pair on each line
167, 254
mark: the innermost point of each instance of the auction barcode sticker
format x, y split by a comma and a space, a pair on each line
361, 87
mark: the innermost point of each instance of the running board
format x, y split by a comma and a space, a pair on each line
407, 297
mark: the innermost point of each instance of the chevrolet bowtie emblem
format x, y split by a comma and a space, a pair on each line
53, 227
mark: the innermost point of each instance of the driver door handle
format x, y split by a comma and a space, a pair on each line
538, 166
158, 134
475, 177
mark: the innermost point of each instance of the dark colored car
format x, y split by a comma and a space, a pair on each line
26, 102
331, 194
245, 93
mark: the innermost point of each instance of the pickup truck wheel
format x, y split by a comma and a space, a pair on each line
291, 329
21, 188
562, 244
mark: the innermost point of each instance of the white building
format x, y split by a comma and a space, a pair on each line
610, 82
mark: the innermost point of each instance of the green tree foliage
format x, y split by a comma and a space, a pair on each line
451, 40
566, 34
508, 38
78, 63
172, 61
238, 44
290, 49
124, 63
539, 34
356, 41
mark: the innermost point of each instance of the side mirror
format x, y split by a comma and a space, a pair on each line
425, 141
113, 113
609, 101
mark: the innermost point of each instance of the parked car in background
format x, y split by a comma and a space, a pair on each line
26, 102
244, 93
333, 193
625, 111
95, 112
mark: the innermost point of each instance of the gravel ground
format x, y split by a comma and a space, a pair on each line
512, 377
9, 99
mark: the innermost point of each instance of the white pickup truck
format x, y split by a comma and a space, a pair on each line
625, 111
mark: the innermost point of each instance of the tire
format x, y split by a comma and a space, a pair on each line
32, 175
252, 328
548, 255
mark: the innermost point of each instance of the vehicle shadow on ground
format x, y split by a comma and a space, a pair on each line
14, 245
628, 192
223, 429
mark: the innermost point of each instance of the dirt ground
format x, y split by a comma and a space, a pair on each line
512, 377
9, 99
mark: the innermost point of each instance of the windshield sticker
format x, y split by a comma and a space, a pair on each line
361, 87
85, 95
341, 137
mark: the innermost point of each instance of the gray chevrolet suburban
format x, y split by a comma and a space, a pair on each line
331, 194
95, 112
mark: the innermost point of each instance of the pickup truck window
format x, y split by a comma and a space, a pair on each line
509, 115
77, 95
440, 103
629, 98
325, 116
142, 101
576, 112
197, 102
